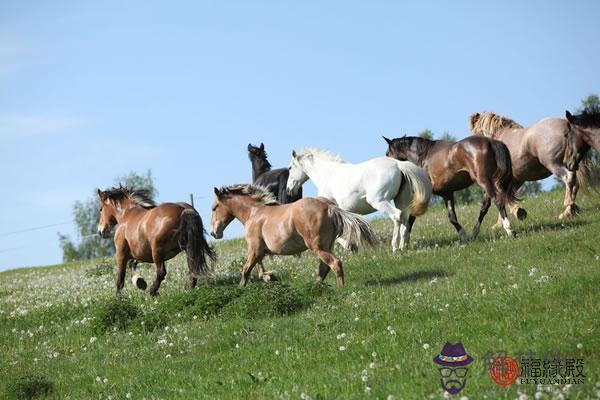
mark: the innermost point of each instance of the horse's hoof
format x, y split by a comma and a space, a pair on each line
141, 284
521, 214
512, 234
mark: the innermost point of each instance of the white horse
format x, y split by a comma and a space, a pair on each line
396, 188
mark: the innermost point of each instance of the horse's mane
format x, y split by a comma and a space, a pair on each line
589, 119
489, 124
422, 145
256, 192
316, 152
140, 197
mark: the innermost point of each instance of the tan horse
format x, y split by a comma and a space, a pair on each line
286, 229
550, 146
152, 233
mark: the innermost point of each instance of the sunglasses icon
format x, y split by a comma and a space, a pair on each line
459, 372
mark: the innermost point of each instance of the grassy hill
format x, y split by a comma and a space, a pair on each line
62, 330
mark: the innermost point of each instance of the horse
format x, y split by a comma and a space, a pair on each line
287, 229
393, 187
274, 180
147, 232
552, 146
456, 166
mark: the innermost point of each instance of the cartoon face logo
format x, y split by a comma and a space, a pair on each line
453, 361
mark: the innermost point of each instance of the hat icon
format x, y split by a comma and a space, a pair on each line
453, 355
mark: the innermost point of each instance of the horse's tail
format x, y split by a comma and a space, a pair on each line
588, 174
419, 187
351, 227
191, 239
504, 180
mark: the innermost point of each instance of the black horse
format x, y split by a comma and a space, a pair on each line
274, 180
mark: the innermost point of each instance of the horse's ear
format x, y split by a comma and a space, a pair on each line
569, 116
101, 194
389, 141
249, 147
217, 192
294, 153
262, 147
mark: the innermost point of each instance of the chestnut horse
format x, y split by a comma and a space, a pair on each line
152, 233
456, 166
551, 146
286, 229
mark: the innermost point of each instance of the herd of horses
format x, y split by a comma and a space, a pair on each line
499, 156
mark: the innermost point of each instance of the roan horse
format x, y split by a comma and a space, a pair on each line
274, 180
397, 188
456, 166
274, 228
551, 146
152, 233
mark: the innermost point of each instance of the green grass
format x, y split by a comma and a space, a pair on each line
63, 334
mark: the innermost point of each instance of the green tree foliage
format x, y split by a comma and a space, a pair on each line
426, 134
590, 104
86, 215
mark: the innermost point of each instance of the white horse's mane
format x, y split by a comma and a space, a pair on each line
320, 153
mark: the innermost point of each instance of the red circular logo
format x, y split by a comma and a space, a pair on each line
504, 371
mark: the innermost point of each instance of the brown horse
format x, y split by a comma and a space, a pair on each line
551, 146
456, 166
152, 233
286, 229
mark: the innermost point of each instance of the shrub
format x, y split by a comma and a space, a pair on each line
116, 312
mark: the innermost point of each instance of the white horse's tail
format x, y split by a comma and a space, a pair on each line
351, 227
419, 187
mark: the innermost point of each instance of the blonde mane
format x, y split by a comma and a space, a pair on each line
490, 125
256, 192
320, 153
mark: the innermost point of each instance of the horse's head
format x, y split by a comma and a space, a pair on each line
297, 172
400, 148
221, 215
576, 144
108, 215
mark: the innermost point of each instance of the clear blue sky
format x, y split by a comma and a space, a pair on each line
92, 90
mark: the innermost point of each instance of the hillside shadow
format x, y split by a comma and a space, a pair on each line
410, 277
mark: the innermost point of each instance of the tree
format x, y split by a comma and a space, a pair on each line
590, 104
426, 134
447, 137
86, 215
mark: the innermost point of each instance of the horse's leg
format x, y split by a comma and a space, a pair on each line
487, 184
404, 231
122, 258
390, 209
449, 203
262, 274
333, 262
323, 271
254, 257
161, 272
138, 281
570, 180
485, 206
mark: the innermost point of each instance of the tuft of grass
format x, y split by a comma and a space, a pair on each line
272, 299
31, 386
115, 313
